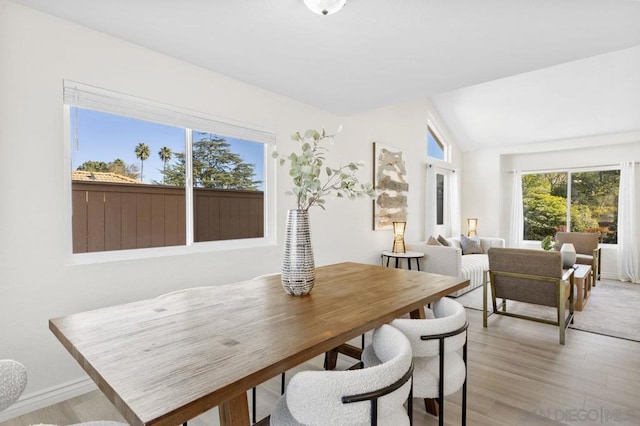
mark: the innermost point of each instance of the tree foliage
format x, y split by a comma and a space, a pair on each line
116, 166
214, 166
142, 152
165, 155
594, 203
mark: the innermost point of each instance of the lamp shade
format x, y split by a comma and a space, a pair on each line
325, 7
398, 237
472, 224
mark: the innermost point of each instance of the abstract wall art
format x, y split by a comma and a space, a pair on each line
391, 185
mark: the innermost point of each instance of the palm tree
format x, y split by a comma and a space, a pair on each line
142, 152
165, 154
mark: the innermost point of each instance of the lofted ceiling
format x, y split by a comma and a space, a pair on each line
498, 71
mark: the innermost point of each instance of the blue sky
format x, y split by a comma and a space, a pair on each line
434, 149
105, 137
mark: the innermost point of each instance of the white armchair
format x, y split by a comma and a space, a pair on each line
13, 380
344, 397
439, 368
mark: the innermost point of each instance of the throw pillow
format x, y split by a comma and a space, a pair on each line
433, 242
443, 241
470, 245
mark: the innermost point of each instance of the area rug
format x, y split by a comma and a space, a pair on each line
613, 309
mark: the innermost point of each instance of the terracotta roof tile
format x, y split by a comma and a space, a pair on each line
101, 177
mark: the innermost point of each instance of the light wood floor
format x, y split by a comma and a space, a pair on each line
518, 375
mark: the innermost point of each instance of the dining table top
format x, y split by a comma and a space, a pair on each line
168, 359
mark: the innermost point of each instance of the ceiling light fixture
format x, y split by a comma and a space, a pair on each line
325, 7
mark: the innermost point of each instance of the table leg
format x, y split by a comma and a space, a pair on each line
388, 259
431, 406
234, 412
397, 259
409, 262
418, 313
418, 262
331, 359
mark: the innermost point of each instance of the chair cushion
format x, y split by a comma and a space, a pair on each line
584, 259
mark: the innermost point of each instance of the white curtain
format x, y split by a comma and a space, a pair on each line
454, 204
430, 209
628, 250
516, 224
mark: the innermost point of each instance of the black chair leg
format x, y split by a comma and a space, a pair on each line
464, 384
253, 405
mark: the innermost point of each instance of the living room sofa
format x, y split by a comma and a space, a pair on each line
450, 260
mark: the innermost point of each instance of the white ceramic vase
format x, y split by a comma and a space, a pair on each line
298, 267
568, 252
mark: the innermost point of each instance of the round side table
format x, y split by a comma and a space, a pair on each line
397, 256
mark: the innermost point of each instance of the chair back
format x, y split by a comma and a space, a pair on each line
583, 242
13, 380
543, 268
449, 316
328, 397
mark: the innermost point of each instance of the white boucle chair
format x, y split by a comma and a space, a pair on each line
13, 380
370, 396
436, 344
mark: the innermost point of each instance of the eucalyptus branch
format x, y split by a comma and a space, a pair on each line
306, 171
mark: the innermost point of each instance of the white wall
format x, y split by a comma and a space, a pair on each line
37, 52
487, 181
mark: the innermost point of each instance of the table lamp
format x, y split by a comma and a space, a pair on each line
472, 223
398, 237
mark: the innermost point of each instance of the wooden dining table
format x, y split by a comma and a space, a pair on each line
168, 359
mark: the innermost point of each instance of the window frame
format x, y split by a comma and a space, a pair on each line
190, 247
569, 172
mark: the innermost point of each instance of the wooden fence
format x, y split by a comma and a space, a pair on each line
109, 216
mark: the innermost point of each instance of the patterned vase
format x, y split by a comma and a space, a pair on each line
298, 269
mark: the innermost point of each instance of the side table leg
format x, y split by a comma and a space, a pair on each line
409, 262
579, 293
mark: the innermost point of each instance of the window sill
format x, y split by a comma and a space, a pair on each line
146, 253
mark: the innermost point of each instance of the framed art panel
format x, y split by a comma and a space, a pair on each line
392, 186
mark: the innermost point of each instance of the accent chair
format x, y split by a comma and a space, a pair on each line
373, 395
530, 276
587, 250
439, 367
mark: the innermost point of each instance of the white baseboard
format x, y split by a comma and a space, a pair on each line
609, 276
47, 397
